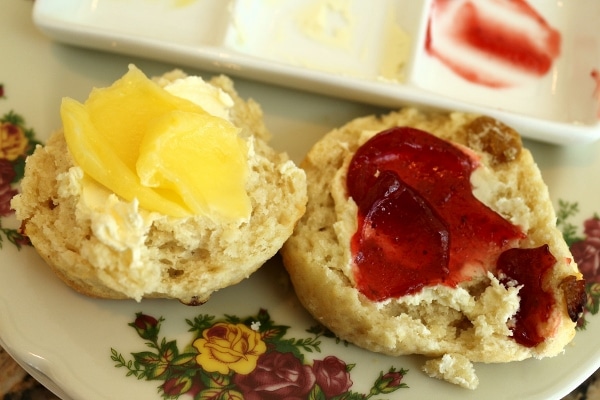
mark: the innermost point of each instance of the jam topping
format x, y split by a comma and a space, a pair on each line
419, 223
529, 267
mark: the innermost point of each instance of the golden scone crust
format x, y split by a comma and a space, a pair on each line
181, 258
467, 322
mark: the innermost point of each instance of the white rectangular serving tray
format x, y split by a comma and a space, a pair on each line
367, 51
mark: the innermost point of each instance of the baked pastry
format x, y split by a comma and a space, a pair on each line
417, 239
105, 246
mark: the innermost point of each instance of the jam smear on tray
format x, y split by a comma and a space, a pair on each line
509, 35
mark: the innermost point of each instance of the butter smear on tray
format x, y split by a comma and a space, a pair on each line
332, 36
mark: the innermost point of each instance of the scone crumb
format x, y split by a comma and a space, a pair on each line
454, 368
255, 326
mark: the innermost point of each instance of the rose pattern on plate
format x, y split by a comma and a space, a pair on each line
249, 358
16, 143
586, 253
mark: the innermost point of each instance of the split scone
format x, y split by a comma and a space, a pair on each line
160, 188
434, 234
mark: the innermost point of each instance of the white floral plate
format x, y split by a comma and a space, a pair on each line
84, 348
536, 68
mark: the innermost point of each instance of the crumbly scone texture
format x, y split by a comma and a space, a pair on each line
468, 322
454, 368
181, 258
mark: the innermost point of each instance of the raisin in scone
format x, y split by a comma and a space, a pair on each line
434, 234
218, 218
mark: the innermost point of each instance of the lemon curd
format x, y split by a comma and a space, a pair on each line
142, 142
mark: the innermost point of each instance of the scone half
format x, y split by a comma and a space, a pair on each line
104, 246
470, 319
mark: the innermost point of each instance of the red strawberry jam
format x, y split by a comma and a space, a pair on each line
419, 223
528, 267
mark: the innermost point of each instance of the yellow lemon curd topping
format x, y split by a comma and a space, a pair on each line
142, 142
